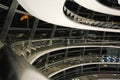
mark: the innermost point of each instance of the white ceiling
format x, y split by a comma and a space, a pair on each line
51, 11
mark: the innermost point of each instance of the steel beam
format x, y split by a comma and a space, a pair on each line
9, 19
35, 24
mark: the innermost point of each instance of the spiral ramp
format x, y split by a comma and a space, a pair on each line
96, 6
52, 11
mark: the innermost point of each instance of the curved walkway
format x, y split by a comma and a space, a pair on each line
107, 63
96, 6
51, 11
36, 56
77, 18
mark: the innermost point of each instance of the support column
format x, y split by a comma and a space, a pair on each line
117, 68
83, 51
103, 37
32, 33
78, 9
9, 19
81, 70
70, 33
98, 67
92, 15
53, 31
66, 53
33, 30
47, 60
101, 51
118, 53
86, 36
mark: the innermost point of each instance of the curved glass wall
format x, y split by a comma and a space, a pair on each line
84, 16
57, 60
78, 37
110, 3
90, 69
